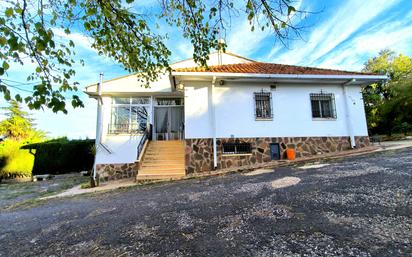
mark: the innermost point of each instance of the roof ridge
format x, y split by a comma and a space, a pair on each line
271, 68
239, 56
229, 53
279, 64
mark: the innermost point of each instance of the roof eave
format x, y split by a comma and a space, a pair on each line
282, 76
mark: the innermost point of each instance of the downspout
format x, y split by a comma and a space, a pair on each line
213, 119
347, 112
98, 125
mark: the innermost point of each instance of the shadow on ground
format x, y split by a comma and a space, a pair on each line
357, 207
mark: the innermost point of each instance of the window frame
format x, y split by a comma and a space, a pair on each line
330, 97
270, 105
236, 145
129, 106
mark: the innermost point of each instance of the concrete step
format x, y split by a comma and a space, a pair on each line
168, 151
165, 150
157, 177
163, 157
160, 173
168, 145
160, 155
162, 169
161, 165
163, 160
160, 161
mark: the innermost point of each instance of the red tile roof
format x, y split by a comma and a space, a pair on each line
269, 68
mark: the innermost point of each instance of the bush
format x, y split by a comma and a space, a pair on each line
15, 162
62, 156
404, 128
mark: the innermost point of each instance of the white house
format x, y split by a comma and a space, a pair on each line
235, 112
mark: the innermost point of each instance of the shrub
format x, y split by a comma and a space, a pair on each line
404, 128
15, 162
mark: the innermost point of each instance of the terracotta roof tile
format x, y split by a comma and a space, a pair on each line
269, 68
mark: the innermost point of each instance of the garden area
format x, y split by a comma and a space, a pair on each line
388, 105
26, 151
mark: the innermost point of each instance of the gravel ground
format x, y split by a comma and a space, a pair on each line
360, 206
19, 192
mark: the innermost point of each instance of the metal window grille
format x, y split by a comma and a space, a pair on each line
323, 105
237, 148
263, 105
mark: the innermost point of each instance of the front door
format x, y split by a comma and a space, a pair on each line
169, 123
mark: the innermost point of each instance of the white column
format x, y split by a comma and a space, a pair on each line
98, 123
347, 114
213, 121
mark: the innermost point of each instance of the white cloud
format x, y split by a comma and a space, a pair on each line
332, 32
242, 40
185, 50
78, 39
396, 36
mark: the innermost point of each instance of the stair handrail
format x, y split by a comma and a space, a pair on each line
143, 139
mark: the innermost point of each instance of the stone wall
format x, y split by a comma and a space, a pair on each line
199, 152
199, 155
107, 172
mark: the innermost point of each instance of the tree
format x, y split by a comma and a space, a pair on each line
388, 104
27, 30
18, 125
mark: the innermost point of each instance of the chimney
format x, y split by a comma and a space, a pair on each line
221, 41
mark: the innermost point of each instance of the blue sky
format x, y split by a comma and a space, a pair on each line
341, 35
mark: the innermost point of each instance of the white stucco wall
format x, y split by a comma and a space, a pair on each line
198, 120
130, 84
234, 110
123, 147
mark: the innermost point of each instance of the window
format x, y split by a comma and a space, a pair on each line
129, 115
323, 106
263, 105
237, 148
170, 101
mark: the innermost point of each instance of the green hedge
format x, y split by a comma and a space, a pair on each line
62, 156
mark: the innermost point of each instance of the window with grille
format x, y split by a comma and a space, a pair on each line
237, 148
263, 105
323, 106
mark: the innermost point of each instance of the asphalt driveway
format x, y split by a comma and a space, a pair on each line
356, 207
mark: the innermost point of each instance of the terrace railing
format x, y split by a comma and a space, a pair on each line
125, 129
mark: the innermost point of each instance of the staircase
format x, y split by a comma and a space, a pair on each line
163, 160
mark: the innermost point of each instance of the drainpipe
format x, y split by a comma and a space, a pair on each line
347, 112
98, 125
213, 119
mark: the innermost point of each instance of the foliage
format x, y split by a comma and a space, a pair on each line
28, 34
14, 162
404, 128
18, 130
18, 125
389, 104
61, 155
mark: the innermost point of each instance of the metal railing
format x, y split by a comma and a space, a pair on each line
145, 136
125, 128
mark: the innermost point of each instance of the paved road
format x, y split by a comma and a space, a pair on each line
357, 207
